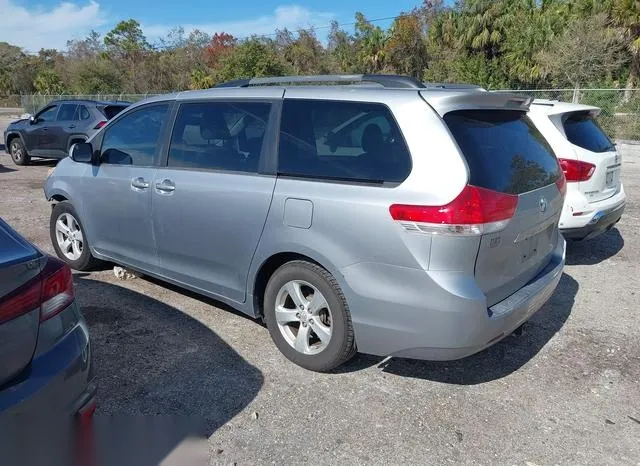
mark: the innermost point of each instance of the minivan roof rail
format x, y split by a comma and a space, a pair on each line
385, 80
452, 86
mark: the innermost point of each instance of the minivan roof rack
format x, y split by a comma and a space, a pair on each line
385, 80
452, 86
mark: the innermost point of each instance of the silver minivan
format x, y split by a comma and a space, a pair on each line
367, 213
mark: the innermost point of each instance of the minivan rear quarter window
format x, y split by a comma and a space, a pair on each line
583, 131
350, 141
503, 149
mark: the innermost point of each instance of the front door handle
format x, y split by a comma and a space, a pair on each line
45, 128
72, 126
165, 186
139, 184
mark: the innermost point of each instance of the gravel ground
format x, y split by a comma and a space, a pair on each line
565, 392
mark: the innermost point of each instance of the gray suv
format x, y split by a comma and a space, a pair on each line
56, 127
377, 214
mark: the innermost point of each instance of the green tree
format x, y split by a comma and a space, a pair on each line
251, 58
127, 47
11, 58
341, 50
98, 77
406, 47
370, 41
626, 14
48, 81
200, 79
304, 54
586, 52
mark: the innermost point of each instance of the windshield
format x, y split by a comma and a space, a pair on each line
583, 131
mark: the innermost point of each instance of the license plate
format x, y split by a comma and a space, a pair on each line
612, 177
536, 245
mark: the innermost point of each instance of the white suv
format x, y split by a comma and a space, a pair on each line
595, 196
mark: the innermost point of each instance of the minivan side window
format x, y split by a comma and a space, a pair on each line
135, 138
583, 131
351, 141
219, 135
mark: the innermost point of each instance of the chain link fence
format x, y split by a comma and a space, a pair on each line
620, 115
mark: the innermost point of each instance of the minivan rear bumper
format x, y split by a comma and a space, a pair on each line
441, 316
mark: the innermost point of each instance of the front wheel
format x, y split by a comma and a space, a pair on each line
69, 238
308, 317
18, 152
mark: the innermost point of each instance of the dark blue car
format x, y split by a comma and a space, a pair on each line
46, 373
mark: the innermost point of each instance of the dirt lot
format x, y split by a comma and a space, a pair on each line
566, 391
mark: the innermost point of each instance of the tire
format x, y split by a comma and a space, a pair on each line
83, 261
18, 152
305, 279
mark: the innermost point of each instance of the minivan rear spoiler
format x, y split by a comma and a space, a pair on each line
445, 102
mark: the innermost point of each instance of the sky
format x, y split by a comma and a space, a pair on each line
38, 24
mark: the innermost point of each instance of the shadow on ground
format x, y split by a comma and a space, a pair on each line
44, 162
158, 367
596, 250
5, 169
495, 362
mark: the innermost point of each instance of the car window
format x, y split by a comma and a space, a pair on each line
134, 139
219, 135
67, 112
503, 149
341, 140
83, 113
111, 110
583, 131
48, 114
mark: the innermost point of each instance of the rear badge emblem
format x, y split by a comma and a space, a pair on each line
543, 205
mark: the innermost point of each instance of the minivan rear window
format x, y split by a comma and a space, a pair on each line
583, 131
503, 149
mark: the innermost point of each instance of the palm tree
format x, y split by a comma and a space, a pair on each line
626, 14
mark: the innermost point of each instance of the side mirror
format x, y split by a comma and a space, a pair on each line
32, 120
83, 152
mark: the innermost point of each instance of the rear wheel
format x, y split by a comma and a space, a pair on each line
308, 317
69, 238
18, 152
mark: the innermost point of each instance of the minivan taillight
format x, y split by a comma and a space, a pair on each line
576, 170
100, 124
51, 291
475, 211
